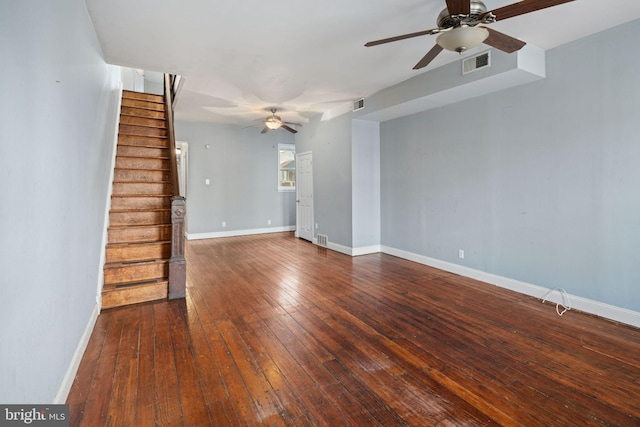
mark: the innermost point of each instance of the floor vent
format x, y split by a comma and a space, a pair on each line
475, 63
322, 240
358, 105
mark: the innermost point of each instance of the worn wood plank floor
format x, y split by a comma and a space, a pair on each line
276, 331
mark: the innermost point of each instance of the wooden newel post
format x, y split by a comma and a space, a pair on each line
177, 263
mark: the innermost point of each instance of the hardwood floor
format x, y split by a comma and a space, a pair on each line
277, 331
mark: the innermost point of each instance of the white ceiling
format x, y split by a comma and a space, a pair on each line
241, 57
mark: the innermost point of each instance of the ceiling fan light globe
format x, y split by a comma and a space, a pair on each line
272, 124
463, 38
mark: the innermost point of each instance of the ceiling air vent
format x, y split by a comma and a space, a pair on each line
358, 105
475, 63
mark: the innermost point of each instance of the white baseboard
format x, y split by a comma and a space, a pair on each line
70, 374
601, 309
366, 250
232, 233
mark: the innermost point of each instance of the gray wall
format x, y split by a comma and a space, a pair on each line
330, 143
366, 183
57, 119
546, 192
242, 166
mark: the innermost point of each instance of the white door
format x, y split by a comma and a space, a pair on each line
304, 199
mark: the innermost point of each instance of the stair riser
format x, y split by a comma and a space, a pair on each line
136, 103
137, 273
141, 202
133, 151
141, 175
123, 188
134, 295
138, 252
139, 234
139, 218
142, 130
141, 163
128, 94
143, 141
143, 121
141, 112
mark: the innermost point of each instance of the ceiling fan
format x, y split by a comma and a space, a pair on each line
459, 27
274, 122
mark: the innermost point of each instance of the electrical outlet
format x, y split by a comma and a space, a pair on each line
268, 222
316, 225
461, 253
207, 181
224, 223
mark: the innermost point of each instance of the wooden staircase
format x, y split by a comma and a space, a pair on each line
139, 235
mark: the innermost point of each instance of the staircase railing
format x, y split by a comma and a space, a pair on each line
177, 263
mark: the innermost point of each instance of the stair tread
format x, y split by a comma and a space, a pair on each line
139, 243
138, 116
114, 286
138, 134
140, 210
130, 181
142, 157
119, 264
134, 226
141, 195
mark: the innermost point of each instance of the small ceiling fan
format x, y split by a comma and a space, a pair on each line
274, 122
459, 27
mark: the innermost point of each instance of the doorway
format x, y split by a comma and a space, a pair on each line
304, 196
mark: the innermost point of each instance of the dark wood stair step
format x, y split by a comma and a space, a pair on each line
143, 121
139, 217
138, 251
137, 188
142, 112
141, 175
124, 272
138, 233
127, 162
137, 103
151, 97
134, 292
143, 141
141, 130
137, 151
140, 202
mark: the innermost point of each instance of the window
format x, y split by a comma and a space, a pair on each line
286, 167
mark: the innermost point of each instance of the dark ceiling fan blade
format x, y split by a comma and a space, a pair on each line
522, 7
405, 36
265, 130
503, 42
459, 7
283, 126
428, 57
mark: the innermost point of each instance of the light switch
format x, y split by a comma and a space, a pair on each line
207, 181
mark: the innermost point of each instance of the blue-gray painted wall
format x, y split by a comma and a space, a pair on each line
242, 166
330, 143
539, 183
57, 126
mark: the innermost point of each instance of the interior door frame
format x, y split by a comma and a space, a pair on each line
298, 163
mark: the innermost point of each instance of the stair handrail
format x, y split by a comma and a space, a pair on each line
177, 263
